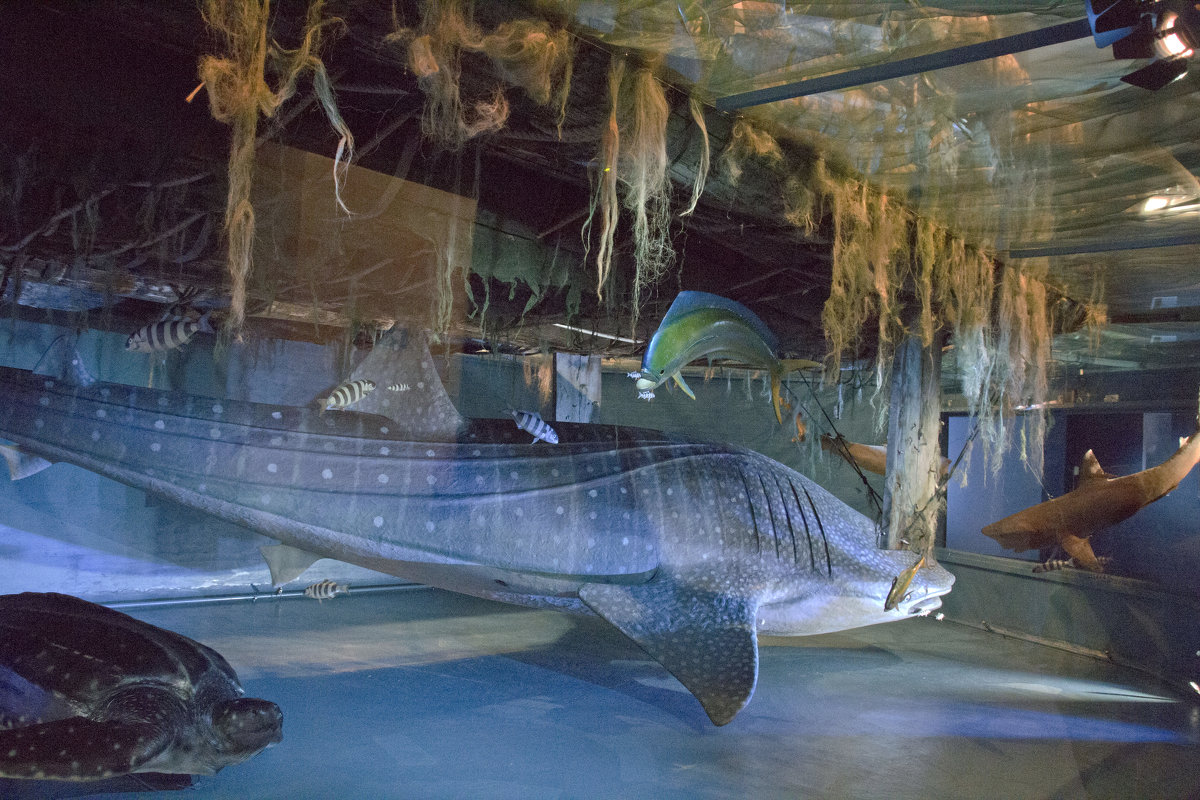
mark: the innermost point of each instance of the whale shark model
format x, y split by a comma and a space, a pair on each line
691, 549
1100, 500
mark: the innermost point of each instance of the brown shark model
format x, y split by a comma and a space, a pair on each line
1100, 500
871, 457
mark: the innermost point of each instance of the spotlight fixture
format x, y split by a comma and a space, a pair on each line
1166, 30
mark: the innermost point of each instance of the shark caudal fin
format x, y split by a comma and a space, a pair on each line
423, 411
707, 641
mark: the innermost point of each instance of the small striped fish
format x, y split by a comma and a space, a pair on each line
1066, 563
347, 394
326, 590
158, 337
534, 425
182, 307
397, 387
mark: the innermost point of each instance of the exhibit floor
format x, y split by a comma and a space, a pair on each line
418, 693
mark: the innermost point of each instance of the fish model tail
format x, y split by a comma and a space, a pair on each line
778, 370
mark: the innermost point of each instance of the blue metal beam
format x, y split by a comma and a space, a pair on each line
1055, 34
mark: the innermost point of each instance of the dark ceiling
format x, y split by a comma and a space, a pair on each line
113, 189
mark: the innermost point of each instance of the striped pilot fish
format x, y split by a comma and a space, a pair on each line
346, 394
533, 424
167, 334
326, 590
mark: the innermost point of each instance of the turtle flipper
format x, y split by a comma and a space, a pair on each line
79, 749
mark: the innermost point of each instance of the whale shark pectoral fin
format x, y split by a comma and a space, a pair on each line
79, 748
287, 563
706, 640
678, 378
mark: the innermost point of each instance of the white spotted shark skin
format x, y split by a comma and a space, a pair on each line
691, 549
88, 693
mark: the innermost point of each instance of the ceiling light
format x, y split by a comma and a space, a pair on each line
1165, 30
1170, 202
1155, 203
1167, 43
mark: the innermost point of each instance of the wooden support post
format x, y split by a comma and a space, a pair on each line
914, 459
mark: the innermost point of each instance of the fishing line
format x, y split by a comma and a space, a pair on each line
872, 495
940, 491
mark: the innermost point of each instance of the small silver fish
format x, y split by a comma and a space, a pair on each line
347, 394
533, 424
158, 337
398, 387
326, 590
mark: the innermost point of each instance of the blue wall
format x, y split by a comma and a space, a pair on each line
1160, 543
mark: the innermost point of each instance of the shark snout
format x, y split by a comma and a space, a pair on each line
928, 586
922, 606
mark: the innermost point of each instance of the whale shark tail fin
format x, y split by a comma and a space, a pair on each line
423, 411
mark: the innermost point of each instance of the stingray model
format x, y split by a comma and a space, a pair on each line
691, 549
87, 693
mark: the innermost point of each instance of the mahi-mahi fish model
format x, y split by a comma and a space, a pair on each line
691, 549
702, 325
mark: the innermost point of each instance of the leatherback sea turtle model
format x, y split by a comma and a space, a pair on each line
88, 693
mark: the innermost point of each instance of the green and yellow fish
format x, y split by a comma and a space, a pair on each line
703, 325
900, 585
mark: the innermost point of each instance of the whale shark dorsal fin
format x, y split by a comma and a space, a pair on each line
708, 642
287, 563
1089, 469
423, 410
